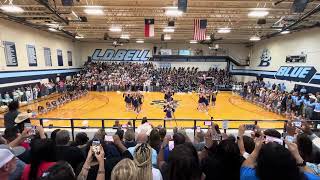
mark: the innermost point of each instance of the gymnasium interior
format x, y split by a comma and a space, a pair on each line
201, 68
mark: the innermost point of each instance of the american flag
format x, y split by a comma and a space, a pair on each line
200, 28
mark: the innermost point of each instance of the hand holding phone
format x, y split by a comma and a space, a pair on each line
96, 146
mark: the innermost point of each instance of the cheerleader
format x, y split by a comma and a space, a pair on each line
169, 111
127, 100
200, 102
135, 103
205, 103
49, 106
213, 98
140, 100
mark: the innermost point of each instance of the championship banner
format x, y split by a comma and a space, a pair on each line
47, 56
59, 57
69, 53
10, 53
32, 57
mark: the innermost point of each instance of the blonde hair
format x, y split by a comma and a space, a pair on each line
142, 159
124, 170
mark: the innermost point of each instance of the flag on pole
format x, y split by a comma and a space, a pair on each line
200, 28
149, 28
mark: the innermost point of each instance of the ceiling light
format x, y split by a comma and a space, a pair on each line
53, 25
93, 10
75, 15
11, 8
115, 29
124, 36
52, 29
168, 30
167, 37
258, 13
173, 11
139, 41
285, 32
79, 36
208, 38
193, 42
255, 38
224, 30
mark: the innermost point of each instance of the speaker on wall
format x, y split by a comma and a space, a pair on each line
298, 6
67, 2
89, 59
182, 5
171, 23
155, 50
262, 21
162, 37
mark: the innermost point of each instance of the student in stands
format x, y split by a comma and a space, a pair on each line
11, 115
183, 162
60, 171
126, 169
42, 157
274, 161
154, 139
143, 160
129, 138
65, 152
7, 163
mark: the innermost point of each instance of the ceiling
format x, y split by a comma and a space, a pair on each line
130, 15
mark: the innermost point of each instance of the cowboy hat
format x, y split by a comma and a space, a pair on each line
22, 117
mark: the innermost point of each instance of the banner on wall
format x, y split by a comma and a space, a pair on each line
59, 57
47, 56
265, 58
32, 56
121, 55
69, 53
10, 53
165, 51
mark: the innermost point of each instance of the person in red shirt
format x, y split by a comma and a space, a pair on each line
42, 158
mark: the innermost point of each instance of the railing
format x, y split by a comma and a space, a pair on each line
169, 124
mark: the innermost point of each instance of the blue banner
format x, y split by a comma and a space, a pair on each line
121, 55
10, 53
32, 57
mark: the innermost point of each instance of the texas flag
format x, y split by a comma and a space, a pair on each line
149, 28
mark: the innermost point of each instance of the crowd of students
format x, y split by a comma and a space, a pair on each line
97, 76
274, 97
29, 93
150, 153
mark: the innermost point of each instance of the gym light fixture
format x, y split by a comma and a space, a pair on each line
173, 11
255, 38
168, 30
52, 29
115, 29
10, 8
193, 42
140, 41
125, 36
258, 13
167, 37
94, 10
79, 36
285, 32
224, 30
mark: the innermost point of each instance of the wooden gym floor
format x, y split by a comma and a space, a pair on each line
111, 105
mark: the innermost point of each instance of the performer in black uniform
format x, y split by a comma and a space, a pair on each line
127, 100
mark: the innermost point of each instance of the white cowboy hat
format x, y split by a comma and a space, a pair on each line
22, 117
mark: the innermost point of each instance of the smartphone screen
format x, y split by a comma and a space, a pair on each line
250, 126
290, 138
171, 145
27, 126
208, 123
96, 146
108, 138
217, 137
297, 123
273, 139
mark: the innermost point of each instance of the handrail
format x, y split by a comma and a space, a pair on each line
72, 125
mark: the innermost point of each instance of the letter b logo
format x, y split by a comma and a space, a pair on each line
265, 58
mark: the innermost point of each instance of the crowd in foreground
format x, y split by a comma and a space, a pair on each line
275, 98
150, 153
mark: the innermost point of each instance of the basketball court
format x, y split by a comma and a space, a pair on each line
110, 105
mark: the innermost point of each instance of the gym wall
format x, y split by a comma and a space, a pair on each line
268, 56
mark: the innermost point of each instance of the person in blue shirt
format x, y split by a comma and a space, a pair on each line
316, 112
303, 90
298, 105
272, 161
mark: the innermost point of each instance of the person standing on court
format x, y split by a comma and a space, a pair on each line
11, 115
